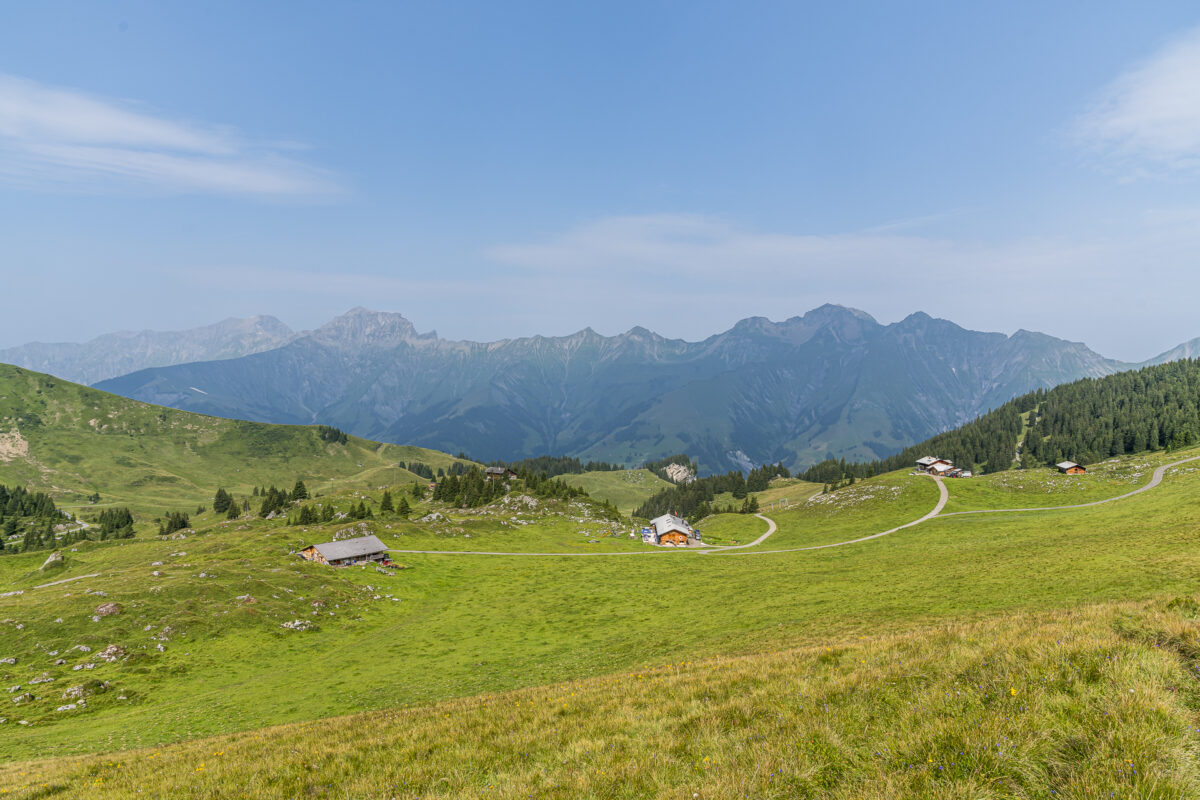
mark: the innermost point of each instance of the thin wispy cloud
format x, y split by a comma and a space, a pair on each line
1147, 121
59, 138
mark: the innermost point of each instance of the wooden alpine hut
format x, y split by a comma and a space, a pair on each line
361, 550
672, 531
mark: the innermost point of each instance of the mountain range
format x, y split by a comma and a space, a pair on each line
128, 351
833, 382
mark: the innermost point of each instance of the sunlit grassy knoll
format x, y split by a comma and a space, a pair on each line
729, 529
783, 493
869, 506
1042, 486
71, 441
1096, 702
786, 492
625, 489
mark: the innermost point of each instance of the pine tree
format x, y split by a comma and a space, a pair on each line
299, 491
222, 501
385, 503
232, 512
403, 508
417, 491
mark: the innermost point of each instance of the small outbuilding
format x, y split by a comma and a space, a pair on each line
1071, 468
361, 550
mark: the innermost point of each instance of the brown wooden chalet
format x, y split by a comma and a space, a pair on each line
671, 531
1071, 468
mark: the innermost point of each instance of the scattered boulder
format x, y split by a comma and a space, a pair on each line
54, 561
24, 698
108, 609
85, 690
9, 660
67, 707
246, 599
45, 677
297, 625
111, 653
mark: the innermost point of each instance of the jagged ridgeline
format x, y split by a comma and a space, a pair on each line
1088, 420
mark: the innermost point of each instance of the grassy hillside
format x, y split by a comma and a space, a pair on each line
625, 489
455, 625
925, 663
1098, 702
71, 441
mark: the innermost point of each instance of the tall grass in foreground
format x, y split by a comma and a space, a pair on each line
1093, 703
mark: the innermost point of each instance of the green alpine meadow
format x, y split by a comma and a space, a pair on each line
521, 638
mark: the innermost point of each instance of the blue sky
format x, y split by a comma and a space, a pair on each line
495, 170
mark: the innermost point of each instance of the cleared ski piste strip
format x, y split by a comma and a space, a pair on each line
742, 550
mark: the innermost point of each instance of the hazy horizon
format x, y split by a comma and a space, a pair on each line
501, 172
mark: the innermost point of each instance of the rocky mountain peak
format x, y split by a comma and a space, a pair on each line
362, 327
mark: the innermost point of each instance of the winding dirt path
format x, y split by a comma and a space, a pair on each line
1155, 480
943, 498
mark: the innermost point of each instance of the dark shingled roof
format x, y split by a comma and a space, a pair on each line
350, 548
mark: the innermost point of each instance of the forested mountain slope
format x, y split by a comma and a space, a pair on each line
833, 381
1085, 421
